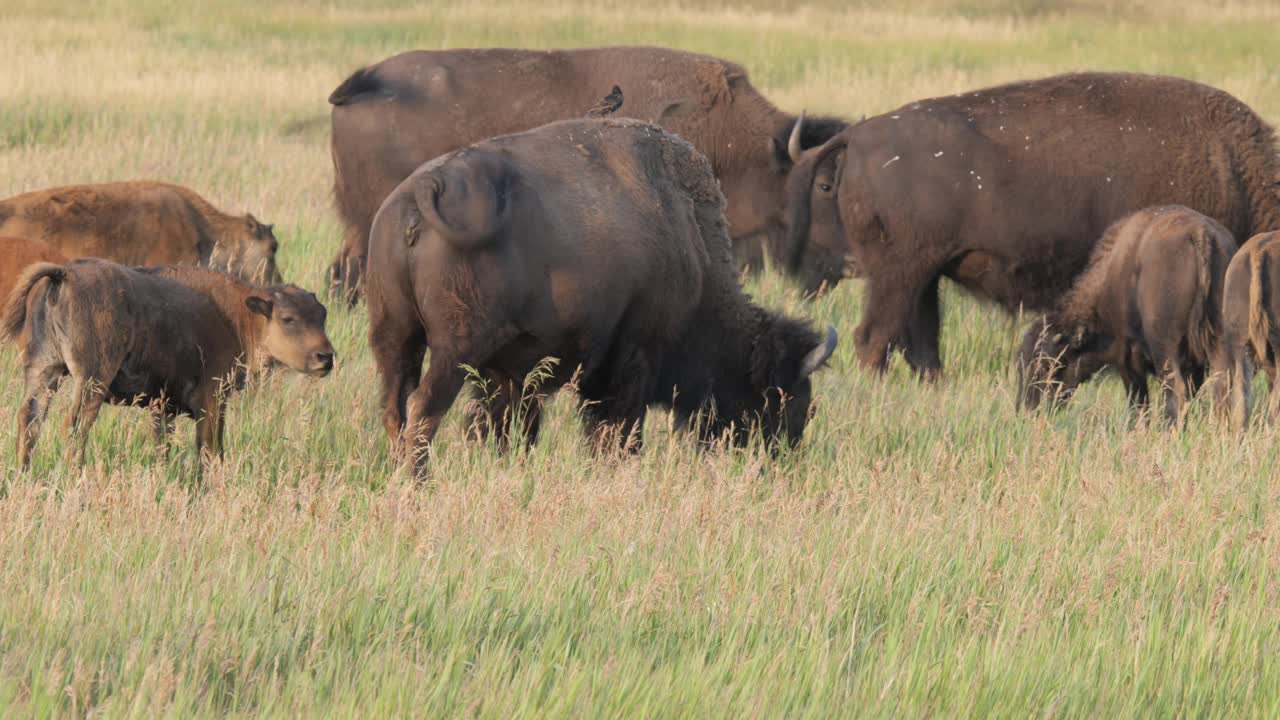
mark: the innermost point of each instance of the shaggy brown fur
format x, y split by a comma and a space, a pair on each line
598, 242
175, 338
1006, 190
1149, 302
143, 223
16, 254
391, 117
1251, 317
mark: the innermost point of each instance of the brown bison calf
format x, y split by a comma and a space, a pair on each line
598, 242
1148, 303
143, 223
16, 254
1250, 313
174, 338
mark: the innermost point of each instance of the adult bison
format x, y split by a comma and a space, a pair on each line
1006, 190
391, 117
176, 338
143, 223
598, 242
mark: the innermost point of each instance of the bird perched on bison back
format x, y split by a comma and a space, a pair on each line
608, 105
391, 117
1005, 191
1149, 303
601, 243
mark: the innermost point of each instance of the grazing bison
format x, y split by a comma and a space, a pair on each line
598, 242
391, 117
175, 338
1251, 322
1006, 190
143, 223
1149, 302
15, 255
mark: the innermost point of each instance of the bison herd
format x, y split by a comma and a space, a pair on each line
598, 206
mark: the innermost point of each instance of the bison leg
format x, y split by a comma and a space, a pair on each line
923, 332
162, 419
896, 311
399, 346
41, 384
426, 409
1176, 389
496, 415
1273, 393
86, 401
346, 275
1240, 381
617, 402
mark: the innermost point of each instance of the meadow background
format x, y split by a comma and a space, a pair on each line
928, 551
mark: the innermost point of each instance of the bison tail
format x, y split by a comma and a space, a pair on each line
1259, 323
362, 83
1202, 334
14, 317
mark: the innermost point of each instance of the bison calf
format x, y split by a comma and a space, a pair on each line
143, 223
174, 338
1250, 313
1147, 303
598, 242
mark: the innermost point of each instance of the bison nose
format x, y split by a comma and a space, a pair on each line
322, 361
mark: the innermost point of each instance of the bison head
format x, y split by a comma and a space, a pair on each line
247, 248
1055, 358
295, 334
777, 394
815, 248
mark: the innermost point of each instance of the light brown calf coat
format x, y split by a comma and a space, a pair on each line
1251, 322
143, 223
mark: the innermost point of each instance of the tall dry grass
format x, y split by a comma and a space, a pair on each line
926, 552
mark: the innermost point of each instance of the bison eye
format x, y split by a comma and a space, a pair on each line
287, 320
824, 187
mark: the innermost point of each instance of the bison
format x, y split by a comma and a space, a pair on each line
391, 117
1006, 190
1149, 302
143, 223
174, 338
16, 254
1250, 313
601, 243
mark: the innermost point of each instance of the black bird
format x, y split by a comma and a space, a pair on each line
607, 105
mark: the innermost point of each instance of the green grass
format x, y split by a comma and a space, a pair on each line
927, 552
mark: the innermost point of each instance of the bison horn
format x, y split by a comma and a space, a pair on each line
819, 354
793, 145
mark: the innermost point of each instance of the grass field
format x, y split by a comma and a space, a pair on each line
928, 551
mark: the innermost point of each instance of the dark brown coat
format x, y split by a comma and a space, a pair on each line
174, 338
1251, 322
143, 223
1149, 303
600, 243
391, 117
16, 254
1006, 190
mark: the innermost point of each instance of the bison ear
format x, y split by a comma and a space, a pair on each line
675, 109
467, 200
261, 306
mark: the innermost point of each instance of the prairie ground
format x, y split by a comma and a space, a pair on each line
927, 552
